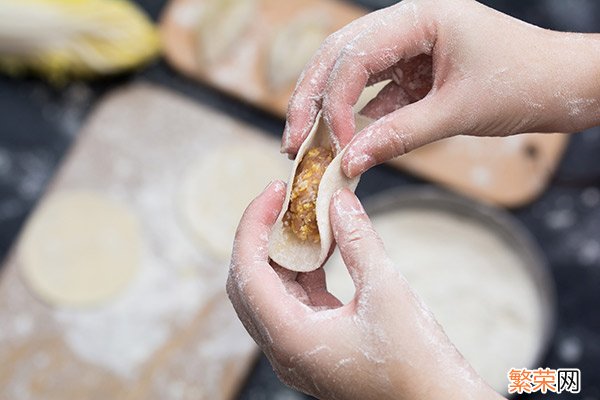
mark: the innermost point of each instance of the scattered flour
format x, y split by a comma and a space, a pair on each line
589, 252
173, 323
590, 197
66, 109
74, 105
570, 349
124, 334
176, 277
560, 218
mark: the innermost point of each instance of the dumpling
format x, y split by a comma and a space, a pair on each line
302, 237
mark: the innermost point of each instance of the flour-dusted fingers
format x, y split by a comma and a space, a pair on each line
402, 32
306, 101
381, 344
360, 246
398, 133
255, 289
490, 75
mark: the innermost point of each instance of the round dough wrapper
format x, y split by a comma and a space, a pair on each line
477, 287
217, 188
221, 26
80, 248
293, 46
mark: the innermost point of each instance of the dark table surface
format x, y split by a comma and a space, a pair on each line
39, 123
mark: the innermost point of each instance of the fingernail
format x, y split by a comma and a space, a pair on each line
275, 185
285, 140
268, 186
285, 148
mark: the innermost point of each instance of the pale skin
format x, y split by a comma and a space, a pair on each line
491, 75
384, 344
457, 67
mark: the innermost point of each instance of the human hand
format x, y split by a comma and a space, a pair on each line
457, 67
384, 344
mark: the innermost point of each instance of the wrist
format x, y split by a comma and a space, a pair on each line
569, 82
457, 384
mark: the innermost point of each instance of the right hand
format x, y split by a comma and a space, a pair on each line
466, 69
384, 344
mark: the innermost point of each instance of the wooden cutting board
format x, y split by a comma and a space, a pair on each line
507, 172
171, 333
244, 73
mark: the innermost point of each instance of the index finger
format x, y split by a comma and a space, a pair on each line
306, 101
361, 248
402, 32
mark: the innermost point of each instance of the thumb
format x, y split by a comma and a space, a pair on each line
397, 133
360, 247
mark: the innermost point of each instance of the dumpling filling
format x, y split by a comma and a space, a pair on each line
301, 215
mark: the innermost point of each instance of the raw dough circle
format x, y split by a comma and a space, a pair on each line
79, 248
221, 26
478, 287
218, 187
293, 46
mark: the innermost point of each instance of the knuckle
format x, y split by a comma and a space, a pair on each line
397, 139
327, 116
329, 113
347, 53
350, 58
328, 43
295, 105
359, 235
328, 102
333, 40
354, 237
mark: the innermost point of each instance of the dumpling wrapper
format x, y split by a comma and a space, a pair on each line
221, 26
285, 248
293, 46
